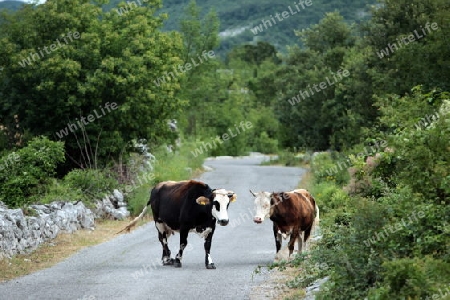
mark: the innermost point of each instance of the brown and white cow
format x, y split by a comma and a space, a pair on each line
292, 213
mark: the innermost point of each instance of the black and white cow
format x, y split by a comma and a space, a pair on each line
186, 206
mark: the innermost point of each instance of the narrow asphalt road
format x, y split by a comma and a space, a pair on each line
128, 267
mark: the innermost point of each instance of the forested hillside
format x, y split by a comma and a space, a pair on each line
237, 18
11, 5
81, 86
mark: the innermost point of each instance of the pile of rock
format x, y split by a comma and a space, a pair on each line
23, 234
112, 207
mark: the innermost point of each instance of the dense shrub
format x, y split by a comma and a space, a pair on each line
390, 239
327, 169
412, 278
25, 173
420, 143
265, 144
331, 196
57, 190
92, 184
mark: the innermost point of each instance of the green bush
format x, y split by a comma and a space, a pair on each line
25, 173
412, 278
355, 264
420, 146
363, 252
265, 144
326, 169
93, 184
58, 190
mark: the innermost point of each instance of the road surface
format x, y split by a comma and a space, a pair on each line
128, 267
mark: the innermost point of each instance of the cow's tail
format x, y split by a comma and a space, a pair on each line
134, 222
316, 213
316, 220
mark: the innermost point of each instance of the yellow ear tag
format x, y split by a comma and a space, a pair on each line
233, 198
202, 200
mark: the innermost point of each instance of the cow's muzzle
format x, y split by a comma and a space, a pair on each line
223, 222
257, 220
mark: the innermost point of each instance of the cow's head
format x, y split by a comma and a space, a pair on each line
221, 198
262, 205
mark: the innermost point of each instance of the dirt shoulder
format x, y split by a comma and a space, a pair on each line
275, 288
63, 246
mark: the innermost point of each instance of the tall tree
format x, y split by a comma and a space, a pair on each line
408, 48
89, 78
308, 108
200, 86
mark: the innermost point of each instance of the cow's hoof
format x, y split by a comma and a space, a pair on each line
169, 262
177, 263
210, 266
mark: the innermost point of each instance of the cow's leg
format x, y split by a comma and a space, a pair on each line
278, 237
183, 243
300, 242
294, 235
162, 236
208, 260
306, 236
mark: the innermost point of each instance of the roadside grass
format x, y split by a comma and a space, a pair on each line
63, 246
307, 182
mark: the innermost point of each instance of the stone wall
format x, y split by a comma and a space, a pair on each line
22, 234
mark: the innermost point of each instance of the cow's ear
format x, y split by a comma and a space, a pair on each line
202, 200
232, 196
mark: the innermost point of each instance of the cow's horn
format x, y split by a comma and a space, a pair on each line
254, 195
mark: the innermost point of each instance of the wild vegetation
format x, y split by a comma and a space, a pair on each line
373, 95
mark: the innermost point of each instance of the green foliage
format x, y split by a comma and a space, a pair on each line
326, 169
25, 173
255, 54
310, 107
116, 59
420, 143
411, 278
265, 144
57, 190
397, 19
392, 241
92, 184
355, 266
220, 100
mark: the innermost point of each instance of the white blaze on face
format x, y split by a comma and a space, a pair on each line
220, 206
262, 205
